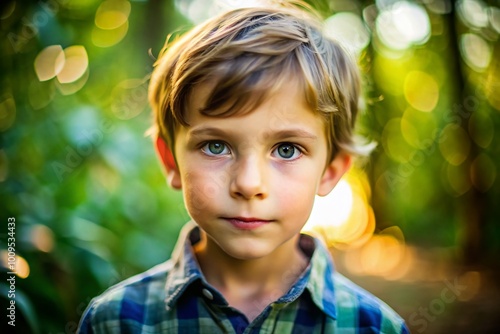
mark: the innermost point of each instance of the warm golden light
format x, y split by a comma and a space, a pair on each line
344, 218
471, 280
333, 209
49, 62
20, 266
112, 14
42, 238
384, 254
421, 91
75, 66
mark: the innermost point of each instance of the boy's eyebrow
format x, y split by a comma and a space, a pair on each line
279, 134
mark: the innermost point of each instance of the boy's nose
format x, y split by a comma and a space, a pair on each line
249, 179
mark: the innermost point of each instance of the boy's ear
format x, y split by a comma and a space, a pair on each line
167, 159
333, 172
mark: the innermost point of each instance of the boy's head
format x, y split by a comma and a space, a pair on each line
254, 111
246, 55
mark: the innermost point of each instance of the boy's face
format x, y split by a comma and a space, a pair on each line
249, 181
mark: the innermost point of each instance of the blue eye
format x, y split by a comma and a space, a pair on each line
215, 148
288, 151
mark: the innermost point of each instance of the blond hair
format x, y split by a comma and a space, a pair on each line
248, 53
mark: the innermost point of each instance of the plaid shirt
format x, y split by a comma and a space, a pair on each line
174, 297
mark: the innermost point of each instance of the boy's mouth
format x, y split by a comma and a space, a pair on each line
246, 223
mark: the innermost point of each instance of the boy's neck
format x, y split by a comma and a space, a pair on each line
256, 281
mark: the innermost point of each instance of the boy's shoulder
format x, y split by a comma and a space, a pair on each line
126, 300
352, 307
354, 302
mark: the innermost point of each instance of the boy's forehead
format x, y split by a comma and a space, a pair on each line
283, 91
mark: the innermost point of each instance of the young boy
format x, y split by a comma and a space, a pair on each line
254, 112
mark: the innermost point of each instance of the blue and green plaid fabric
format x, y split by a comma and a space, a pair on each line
174, 297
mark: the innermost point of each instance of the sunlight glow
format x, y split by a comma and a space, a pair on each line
42, 238
385, 255
348, 29
75, 66
20, 266
343, 218
476, 52
49, 62
334, 208
402, 25
473, 13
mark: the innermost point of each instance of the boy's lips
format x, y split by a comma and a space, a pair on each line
246, 223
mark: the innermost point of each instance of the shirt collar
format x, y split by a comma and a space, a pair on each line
317, 278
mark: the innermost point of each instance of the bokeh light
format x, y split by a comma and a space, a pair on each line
49, 62
473, 13
106, 38
349, 29
494, 14
112, 14
344, 218
75, 65
476, 52
42, 237
111, 23
22, 268
402, 25
385, 254
421, 91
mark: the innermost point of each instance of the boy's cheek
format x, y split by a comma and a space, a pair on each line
199, 196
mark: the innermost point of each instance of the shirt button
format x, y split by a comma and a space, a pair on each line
207, 294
